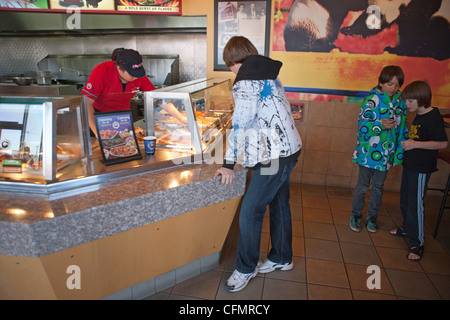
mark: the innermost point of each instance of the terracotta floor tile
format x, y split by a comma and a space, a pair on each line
296, 212
317, 215
340, 217
365, 295
253, 291
319, 230
298, 246
409, 284
340, 193
315, 202
442, 285
295, 199
432, 245
313, 190
298, 272
330, 260
275, 289
318, 292
203, 286
324, 272
359, 276
322, 249
436, 263
383, 238
297, 228
341, 205
360, 254
385, 222
266, 224
265, 242
345, 234
393, 258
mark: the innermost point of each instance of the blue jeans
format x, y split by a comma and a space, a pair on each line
358, 202
263, 190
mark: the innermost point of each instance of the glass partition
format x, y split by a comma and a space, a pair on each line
187, 115
42, 134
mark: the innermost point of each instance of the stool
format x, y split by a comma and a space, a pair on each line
444, 155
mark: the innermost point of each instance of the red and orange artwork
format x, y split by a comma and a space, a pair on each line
343, 45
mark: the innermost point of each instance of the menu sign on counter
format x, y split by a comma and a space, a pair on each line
116, 136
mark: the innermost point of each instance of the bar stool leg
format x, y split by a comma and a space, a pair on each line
441, 211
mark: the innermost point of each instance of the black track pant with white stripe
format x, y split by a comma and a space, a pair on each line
412, 193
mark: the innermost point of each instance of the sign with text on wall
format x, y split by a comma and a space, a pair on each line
168, 7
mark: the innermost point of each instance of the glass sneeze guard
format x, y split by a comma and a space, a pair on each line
45, 133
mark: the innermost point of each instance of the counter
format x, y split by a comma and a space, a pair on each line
121, 234
43, 90
122, 224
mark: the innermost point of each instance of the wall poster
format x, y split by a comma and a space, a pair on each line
169, 7
340, 47
250, 19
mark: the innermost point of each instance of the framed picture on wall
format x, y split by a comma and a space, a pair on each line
250, 19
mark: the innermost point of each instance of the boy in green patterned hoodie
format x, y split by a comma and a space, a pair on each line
381, 129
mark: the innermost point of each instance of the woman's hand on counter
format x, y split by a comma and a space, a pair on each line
228, 175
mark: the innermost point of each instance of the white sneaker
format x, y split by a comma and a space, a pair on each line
269, 266
239, 281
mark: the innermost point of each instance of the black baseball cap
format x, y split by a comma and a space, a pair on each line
131, 61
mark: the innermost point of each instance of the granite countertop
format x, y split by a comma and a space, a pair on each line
34, 225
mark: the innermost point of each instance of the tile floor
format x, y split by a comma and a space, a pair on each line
331, 261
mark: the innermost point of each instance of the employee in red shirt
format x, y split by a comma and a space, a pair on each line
112, 84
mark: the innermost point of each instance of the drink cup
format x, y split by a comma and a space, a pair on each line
150, 144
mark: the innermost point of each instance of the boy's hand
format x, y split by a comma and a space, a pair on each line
387, 124
408, 144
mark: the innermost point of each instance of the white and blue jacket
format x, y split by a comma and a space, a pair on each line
263, 127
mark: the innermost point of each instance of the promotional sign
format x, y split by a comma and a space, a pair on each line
116, 136
168, 7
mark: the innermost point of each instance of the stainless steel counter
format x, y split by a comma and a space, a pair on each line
44, 90
82, 175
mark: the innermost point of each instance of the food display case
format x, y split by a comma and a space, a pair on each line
47, 148
40, 136
189, 115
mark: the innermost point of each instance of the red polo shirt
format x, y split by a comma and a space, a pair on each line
105, 88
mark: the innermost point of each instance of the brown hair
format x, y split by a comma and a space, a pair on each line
115, 52
420, 91
388, 73
237, 49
